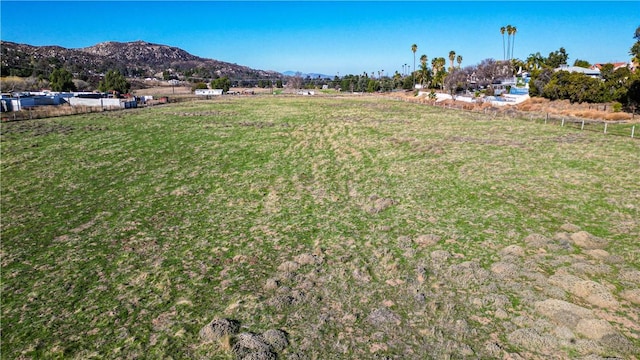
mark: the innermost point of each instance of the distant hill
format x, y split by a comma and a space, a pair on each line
311, 75
137, 58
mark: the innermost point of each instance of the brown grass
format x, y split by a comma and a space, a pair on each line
602, 111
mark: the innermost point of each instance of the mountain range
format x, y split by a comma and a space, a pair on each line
309, 75
135, 59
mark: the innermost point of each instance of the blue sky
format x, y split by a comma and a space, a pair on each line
332, 37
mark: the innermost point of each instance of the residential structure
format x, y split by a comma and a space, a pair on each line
616, 66
594, 73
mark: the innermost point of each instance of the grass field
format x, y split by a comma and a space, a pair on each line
317, 228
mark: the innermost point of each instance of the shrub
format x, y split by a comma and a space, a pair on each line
616, 106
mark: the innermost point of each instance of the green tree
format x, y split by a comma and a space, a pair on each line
61, 80
221, 83
407, 83
633, 95
616, 84
199, 85
372, 86
459, 60
557, 58
424, 74
439, 71
424, 70
575, 87
539, 79
535, 62
114, 81
582, 63
635, 49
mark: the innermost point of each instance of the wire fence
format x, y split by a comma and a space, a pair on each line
625, 128
44, 112
616, 128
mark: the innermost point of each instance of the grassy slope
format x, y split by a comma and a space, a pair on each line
124, 234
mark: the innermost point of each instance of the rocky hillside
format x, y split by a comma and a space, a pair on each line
138, 58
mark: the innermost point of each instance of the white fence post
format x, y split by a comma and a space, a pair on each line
582, 127
633, 130
562, 122
605, 127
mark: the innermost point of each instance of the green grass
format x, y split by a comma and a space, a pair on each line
125, 233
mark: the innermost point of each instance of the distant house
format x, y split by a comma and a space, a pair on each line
594, 73
208, 92
616, 65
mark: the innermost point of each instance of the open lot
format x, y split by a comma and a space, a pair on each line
317, 228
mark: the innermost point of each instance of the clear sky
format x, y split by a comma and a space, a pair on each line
333, 37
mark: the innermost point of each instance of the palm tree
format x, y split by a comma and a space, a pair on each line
534, 61
452, 57
424, 74
414, 48
514, 30
502, 30
438, 65
459, 60
509, 32
423, 68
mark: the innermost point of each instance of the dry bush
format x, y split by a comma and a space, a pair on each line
617, 116
525, 107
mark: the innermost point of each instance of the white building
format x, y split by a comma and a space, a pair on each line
208, 92
594, 73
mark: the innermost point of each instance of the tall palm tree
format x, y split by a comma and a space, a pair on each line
414, 48
459, 60
509, 32
423, 68
452, 57
514, 30
502, 30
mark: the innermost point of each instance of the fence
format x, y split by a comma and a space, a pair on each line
43, 112
616, 128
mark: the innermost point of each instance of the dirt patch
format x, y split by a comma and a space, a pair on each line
590, 291
562, 312
377, 204
427, 240
383, 316
587, 241
219, 328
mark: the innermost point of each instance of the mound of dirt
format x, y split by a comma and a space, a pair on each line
590, 291
427, 240
219, 328
587, 241
252, 346
277, 339
562, 312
